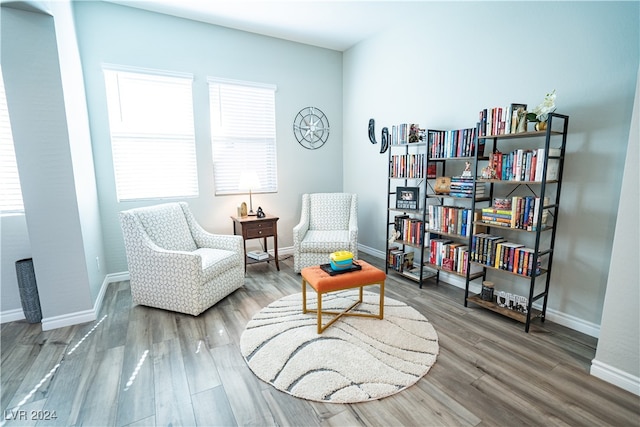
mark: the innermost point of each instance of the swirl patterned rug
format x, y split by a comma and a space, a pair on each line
355, 360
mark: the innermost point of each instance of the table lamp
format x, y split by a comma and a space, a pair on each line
249, 181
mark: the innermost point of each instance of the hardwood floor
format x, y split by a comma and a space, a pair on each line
138, 366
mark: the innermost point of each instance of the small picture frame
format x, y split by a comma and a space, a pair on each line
407, 197
518, 118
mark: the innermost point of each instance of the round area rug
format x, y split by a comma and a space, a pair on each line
354, 360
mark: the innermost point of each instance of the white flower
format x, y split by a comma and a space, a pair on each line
547, 106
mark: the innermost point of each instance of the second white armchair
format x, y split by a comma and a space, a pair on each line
328, 223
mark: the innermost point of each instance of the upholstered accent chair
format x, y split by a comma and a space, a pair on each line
176, 265
328, 223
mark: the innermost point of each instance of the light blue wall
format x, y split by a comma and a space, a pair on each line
305, 76
454, 59
53, 153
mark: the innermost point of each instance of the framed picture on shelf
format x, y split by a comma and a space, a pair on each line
518, 118
407, 197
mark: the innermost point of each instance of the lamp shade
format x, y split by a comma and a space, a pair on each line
249, 181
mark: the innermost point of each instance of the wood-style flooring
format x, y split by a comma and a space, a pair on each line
138, 366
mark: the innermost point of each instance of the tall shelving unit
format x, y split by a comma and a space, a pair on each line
407, 174
434, 234
539, 255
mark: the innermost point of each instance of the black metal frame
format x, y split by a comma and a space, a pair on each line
548, 135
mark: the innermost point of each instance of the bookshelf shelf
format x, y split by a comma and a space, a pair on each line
535, 214
489, 267
536, 133
512, 182
500, 227
513, 314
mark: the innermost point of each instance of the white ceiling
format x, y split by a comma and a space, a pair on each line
332, 24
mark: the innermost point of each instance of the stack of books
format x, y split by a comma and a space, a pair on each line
462, 186
258, 255
523, 214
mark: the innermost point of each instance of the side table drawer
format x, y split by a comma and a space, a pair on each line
259, 229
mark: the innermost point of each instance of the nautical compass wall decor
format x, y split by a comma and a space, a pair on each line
311, 128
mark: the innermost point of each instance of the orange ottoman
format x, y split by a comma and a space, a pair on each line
324, 283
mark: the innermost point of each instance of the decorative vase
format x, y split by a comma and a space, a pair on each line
541, 125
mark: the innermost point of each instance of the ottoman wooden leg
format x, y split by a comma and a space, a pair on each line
304, 296
381, 300
320, 328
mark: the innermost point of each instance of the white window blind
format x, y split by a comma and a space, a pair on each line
152, 134
243, 135
10, 191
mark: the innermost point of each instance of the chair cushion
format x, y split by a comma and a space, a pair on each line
167, 227
329, 211
216, 261
325, 241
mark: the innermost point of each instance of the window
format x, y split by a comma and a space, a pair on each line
243, 135
10, 192
152, 134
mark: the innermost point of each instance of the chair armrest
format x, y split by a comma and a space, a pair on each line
229, 242
204, 239
174, 265
300, 230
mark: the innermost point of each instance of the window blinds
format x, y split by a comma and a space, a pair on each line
152, 134
10, 191
243, 135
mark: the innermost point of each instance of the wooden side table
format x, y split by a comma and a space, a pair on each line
252, 227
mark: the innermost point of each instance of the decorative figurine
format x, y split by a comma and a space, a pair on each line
488, 172
260, 213
467, 169
394, 235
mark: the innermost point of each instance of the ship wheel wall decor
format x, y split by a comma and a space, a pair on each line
311, 128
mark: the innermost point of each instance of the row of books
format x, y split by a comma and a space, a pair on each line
524, 165
523, 215
450, 219
399, 260
407, 166
411, 230
496, 252
406, 133
503, 120
451, 256
463, 187
452, 143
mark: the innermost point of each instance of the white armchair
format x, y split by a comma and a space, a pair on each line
176, 265
328, 223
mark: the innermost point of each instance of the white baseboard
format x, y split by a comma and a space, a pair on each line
85, 316
616, 377
70, 318
282, 251
11, 315
555, 316
371, 251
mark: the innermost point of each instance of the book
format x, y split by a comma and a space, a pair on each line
258, 255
